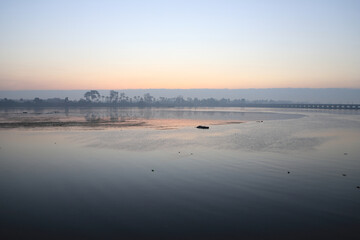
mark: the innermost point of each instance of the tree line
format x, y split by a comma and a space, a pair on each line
93, 98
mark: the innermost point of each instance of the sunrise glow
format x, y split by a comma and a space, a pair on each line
179, 44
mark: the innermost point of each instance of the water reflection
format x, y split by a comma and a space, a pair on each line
269, 136
112, 116
92, 117
95, 114
228, 182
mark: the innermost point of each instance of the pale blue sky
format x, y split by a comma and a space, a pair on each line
179, 44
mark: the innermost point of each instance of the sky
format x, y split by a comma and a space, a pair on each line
179, 44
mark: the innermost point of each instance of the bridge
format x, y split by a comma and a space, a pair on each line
305, 105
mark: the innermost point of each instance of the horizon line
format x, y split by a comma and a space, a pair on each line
86, 89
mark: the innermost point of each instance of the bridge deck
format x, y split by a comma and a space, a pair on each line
303, 105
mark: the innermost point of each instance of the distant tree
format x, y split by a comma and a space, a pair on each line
148, 98
95, 95
37, 100
87, 96
92, 96
179, 100
122, 96
114, 96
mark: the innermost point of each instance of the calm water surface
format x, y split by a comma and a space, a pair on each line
282, 178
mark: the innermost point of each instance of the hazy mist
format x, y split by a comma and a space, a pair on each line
310, 95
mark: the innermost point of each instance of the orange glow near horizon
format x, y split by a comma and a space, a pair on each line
171, 79
179, 45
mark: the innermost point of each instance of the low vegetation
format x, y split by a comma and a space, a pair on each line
115, 99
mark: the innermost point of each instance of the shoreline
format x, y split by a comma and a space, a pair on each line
153, 123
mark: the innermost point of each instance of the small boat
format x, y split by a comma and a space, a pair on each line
202, 127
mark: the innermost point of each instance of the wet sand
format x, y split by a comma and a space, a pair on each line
55, 123
51, 122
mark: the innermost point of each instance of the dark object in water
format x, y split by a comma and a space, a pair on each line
357, 186
152, 170
24, 112
345, 153
288, 172
344, 174
202, 127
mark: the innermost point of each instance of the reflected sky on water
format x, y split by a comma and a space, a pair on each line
277, 179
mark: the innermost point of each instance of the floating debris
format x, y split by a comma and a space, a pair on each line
152, 170
202, 127
344, 174
357, 186
288, 172
345, 153
24, 112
